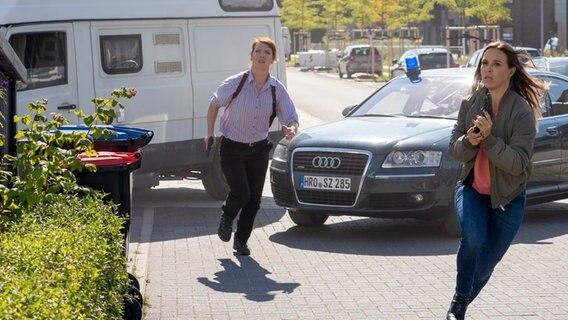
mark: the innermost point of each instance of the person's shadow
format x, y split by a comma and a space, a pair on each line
249, 279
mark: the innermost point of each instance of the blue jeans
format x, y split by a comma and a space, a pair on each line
486, 236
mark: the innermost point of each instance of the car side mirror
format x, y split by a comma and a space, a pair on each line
348, 110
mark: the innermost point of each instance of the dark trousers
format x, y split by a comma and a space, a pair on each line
244, 167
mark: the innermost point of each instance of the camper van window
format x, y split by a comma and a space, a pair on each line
246, 5
44, 54
121, 53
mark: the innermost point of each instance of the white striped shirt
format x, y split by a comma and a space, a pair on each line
247, 117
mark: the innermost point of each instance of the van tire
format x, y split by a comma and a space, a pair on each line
213, 179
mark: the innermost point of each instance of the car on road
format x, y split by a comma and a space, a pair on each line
556, 64
358, 59
428, 58
533, 53
388, 157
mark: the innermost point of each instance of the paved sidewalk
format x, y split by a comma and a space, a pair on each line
350, 268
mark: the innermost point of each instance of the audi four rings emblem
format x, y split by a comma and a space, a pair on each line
326, 162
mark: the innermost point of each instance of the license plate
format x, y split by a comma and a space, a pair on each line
325, 183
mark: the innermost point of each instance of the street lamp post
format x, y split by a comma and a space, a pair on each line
541, 25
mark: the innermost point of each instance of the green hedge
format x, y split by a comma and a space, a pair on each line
64, 260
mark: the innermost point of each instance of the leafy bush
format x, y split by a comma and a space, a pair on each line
61, 246
47, 157
63, 260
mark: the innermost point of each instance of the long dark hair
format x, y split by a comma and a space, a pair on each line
527, 86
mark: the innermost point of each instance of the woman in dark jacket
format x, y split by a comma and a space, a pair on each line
493, 138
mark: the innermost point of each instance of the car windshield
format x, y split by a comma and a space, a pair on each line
559, 67
433, 59
434, 96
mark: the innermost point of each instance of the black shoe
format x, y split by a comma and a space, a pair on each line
225, 228
241, 248
457, 308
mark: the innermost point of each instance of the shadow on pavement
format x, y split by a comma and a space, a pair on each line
371, 237
543, 222
180, 213
365, 236
248, 278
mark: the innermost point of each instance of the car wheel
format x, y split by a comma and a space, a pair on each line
307, 219
213, 179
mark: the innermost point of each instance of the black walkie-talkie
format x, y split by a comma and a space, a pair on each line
486, 107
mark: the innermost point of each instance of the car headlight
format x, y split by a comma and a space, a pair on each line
280, 153
413, 159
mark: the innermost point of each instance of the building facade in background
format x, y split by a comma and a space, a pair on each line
532, 23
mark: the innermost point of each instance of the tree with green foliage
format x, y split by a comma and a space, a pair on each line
409, 13
489, 11
366, 14
300, 14
334, 14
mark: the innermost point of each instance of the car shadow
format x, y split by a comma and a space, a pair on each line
384, 237
369, 236
543, 223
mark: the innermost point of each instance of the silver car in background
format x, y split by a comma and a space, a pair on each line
360, 59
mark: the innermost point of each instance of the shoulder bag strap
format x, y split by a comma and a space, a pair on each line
273, 89
241, 84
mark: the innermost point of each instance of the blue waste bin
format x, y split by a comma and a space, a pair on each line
120, 139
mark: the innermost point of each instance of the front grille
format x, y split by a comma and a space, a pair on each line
353, 163
327, 197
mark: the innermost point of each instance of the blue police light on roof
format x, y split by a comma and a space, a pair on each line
413, 68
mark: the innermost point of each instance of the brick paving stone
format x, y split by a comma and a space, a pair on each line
350, 268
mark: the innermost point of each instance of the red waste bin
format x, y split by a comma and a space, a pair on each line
114, 177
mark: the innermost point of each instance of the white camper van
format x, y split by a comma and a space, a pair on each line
174, 52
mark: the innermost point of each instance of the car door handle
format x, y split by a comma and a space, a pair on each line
67, 107
552, 131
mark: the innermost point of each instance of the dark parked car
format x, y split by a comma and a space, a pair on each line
357, 59
428, 58
388, 158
